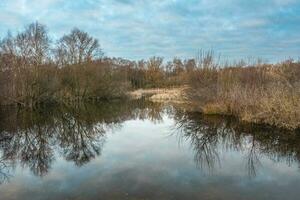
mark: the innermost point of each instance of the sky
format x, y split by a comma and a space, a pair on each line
139, 29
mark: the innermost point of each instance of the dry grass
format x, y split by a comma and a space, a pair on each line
215, 108
175, 95
262, 93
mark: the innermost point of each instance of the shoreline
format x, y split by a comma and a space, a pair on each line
178, 95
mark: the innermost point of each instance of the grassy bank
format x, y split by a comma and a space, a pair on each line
257, 93
262, 93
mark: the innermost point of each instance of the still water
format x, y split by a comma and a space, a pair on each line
142, 150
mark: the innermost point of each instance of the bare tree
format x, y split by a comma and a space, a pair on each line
77, 47
33, 44
22, 57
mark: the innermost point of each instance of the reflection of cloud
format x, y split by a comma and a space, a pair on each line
139, 29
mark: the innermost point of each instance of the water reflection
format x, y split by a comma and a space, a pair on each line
78, 134
4, 171
209, 136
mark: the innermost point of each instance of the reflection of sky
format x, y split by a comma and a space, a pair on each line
143, 159
139, 29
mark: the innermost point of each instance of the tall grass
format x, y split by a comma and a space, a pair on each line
261, 93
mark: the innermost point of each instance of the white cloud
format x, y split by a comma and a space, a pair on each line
137, 29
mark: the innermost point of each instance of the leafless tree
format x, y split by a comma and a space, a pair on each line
77, 47
33, 44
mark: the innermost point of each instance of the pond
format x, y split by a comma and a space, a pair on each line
142, 150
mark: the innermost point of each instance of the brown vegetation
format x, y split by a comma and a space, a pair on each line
262, 93
31, 74
174, 95
34, 70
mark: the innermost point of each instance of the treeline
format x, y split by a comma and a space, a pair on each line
35, 69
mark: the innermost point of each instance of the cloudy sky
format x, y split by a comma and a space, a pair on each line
134, 29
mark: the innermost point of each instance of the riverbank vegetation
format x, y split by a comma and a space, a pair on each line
260, 93
35, 69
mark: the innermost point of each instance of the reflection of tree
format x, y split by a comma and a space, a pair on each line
80, 141
36, 153
75, 132
203, 139
252, 158
31, 146
4, 171
5, 165
151, 111
78, 134
208, 136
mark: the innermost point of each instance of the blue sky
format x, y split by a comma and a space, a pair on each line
268, 29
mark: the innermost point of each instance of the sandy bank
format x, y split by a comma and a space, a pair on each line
175, 95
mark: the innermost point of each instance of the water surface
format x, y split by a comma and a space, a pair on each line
142, 150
